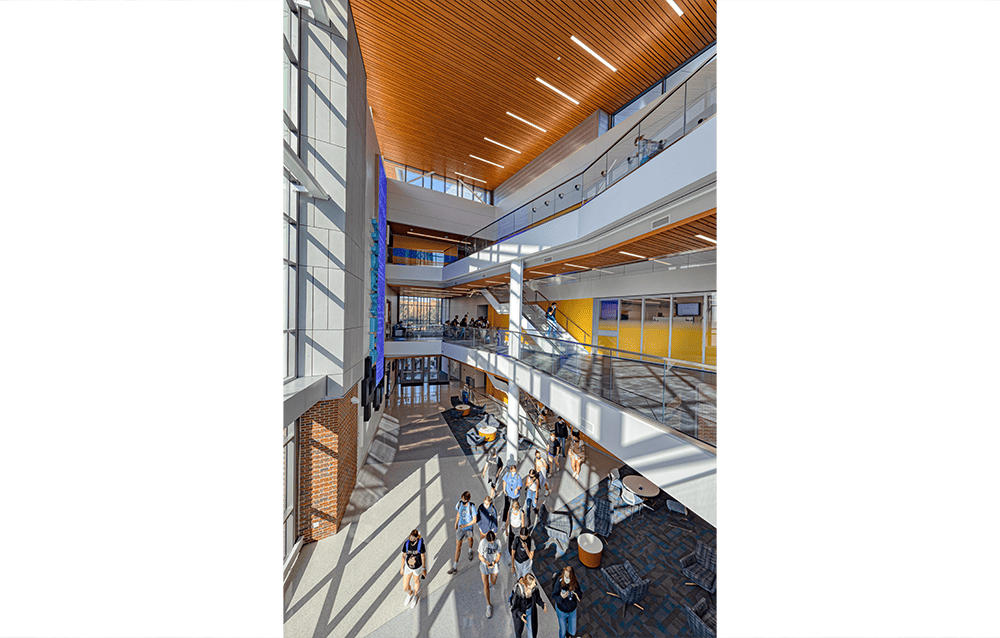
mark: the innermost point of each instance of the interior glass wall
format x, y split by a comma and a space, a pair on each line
677, 327
449, 185
420, 310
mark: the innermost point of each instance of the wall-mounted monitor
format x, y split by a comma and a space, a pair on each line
688, 310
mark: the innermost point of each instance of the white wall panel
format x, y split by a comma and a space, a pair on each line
422, 207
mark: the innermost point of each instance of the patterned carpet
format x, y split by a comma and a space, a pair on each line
460, 426
653, 542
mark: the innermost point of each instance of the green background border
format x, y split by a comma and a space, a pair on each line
140, 240
858, 146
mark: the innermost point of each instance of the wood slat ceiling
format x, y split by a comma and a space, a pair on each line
442, 74
668, 241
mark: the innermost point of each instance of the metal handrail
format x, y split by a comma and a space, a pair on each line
663, 99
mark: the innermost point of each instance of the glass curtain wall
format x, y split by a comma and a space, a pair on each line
449, 185
420, 310
290, 217
677, 327
290, 194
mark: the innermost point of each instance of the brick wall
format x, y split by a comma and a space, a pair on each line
328, 465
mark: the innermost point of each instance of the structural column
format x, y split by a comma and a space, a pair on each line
514, 351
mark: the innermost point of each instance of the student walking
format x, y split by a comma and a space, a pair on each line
523, 554
515, 524
553, 452
561, 433
512, 484
542, 466
413, 564
493, 470
487, 517
577, 454
531, 486
565, 598
524, 603
489, 565
465, 519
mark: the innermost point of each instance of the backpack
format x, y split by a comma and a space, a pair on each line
409, 552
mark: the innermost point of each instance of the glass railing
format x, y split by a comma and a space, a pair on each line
683, 109
409, 257
679, 394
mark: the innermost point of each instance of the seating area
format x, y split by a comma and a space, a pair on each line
699, 566
640, 589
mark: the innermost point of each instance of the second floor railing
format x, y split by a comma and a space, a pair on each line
685, 108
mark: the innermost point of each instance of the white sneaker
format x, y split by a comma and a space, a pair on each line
414, 602
489, 611
406, 601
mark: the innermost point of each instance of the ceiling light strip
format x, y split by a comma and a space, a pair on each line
673, 5
485, 160
591, 52
622, 252
503, 145
557, 90
706, 238
475, 179
521, 119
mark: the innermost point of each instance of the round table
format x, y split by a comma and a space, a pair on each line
488, 432
640, 486
589, 549
463, 409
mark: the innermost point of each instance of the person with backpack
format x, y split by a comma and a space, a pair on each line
413, 563
489, 565
493, 470
523, 554
512, 484
565, 598
524, 601
486, 515
465, 519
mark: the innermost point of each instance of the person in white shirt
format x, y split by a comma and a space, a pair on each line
489, 567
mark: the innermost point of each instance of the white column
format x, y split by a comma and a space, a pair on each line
514, 350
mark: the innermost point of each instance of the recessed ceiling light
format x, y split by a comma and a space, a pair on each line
665, 263
525, 121
591, 52
575, 266
487, 161
538, 272
475, 179
631, 254
673, 5
457, 241
503, 145
494, 282
557, 90
706, 238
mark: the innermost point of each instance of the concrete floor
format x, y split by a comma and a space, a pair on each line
349, 584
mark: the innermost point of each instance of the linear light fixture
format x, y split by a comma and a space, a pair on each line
706, 238
475, 179
591, 52
575, 266
493, 282
539, 272
557, 90
487, 161
665, 263
457, 241
673, 5
631, 254
525, 121
503, 145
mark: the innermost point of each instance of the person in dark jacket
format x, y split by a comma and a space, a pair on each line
524, 605
565, 597
562, 432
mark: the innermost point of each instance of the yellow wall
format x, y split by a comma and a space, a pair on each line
581, 311
654, 340
497, 320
